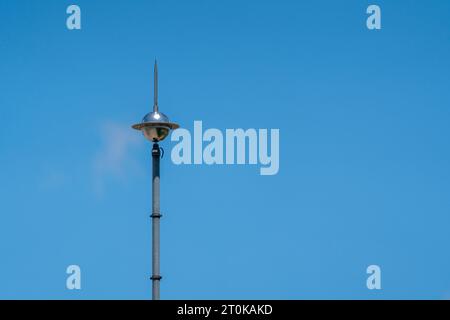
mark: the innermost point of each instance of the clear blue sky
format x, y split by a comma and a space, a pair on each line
364, 149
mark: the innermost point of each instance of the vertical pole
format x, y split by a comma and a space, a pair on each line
156, 215
155, 87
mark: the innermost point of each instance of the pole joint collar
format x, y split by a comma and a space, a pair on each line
156, 150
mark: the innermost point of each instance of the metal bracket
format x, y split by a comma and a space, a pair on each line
157, 151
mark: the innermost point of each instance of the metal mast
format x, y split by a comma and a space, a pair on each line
156, 127
156, 214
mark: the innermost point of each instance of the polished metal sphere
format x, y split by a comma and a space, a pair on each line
155, 126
